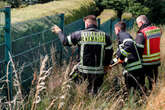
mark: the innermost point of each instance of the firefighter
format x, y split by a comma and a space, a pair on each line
95, 51
127, 54
148, 42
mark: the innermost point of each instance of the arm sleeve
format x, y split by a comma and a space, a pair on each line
71, 39
108, 51
140, 42
125, 50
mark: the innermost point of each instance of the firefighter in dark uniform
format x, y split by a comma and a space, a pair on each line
127, 54
148, 42
95, 51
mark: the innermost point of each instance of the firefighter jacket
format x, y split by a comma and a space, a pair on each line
148, 42
94, 49
128, 52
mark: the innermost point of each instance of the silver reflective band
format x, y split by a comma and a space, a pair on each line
90, 68
125, 71
134, 68
133, 64
140, 45
125, 40
115, 60
109, 47
69, 40
91, 72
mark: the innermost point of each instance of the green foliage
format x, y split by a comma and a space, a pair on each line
154, 9
157, 12
118, 5
3, 4
124, 6
84, 10
137, 8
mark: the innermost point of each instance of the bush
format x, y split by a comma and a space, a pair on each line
126, 16
3, 4
122, 6
153, 9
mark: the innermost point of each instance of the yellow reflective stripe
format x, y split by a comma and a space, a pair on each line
153, 31
151, 55
123, 52
152, 58
148, 47
133, 64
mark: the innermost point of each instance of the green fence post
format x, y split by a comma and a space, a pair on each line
111, 28
62, 28
98, 23
8, 49
62, 21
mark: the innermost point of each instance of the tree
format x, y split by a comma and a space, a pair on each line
124, 6
154, 9
137, 8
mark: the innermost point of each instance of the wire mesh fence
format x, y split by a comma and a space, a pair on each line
2, 42
32, 39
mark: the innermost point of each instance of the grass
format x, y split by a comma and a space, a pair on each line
48, 9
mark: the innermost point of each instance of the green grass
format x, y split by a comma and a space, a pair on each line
48, 9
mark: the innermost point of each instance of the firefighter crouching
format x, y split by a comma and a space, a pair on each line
95, 52
148, 42
127, 54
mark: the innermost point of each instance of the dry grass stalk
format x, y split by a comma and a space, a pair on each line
52, 103
8, 88
156, 100
65, 90
18, 98
40, 83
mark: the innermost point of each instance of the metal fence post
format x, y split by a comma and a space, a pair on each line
98, 23
62, 28
110, 27
8, 49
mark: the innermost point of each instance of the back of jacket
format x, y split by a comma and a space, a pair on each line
95, 49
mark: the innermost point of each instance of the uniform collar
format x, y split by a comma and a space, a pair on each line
144, 26
92, 26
